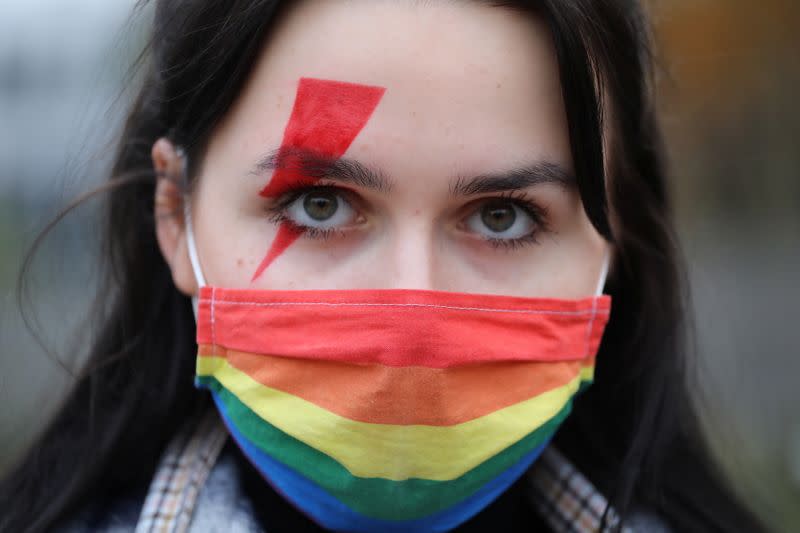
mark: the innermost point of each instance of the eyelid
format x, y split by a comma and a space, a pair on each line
521, 199
295, 191
280, 207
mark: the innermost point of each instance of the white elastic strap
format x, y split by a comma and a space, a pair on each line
194, 258
601, 282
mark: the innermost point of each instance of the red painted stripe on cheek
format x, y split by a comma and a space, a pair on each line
326, 118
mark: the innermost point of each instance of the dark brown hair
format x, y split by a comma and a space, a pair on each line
634, 433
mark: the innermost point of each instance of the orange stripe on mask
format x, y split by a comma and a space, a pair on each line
408, 395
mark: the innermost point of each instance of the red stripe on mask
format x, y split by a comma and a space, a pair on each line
401, 327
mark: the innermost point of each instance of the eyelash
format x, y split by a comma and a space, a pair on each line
277, 214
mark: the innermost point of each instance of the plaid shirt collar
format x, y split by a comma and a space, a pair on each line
567, 501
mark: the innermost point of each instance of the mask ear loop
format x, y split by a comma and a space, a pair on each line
194, 258
601, 282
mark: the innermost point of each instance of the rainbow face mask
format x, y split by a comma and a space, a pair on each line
396, 409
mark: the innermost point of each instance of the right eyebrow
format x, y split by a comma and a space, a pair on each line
318, 166
510, 180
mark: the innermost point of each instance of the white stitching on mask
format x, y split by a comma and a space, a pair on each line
593, 311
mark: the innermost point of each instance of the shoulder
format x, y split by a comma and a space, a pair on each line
222, 504
219, 505
568, 501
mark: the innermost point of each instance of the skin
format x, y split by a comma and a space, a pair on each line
469, 90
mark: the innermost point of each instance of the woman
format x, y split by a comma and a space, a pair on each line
394, 220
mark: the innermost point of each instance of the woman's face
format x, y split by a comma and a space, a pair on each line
432, 145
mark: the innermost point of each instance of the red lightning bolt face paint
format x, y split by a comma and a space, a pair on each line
326, 118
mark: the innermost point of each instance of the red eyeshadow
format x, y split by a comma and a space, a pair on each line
326, 118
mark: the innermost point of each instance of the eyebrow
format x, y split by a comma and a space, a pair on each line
518, 178
343, 170
317, 166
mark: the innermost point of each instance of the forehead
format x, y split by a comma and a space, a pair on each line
467, 84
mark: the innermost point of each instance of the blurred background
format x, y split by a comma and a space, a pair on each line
729, 72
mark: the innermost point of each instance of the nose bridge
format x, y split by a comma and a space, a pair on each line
412, 256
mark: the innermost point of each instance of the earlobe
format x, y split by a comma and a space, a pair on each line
169, 220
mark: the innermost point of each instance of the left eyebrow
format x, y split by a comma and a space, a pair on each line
519, 178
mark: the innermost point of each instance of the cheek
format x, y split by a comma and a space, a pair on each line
230, 229
574, 261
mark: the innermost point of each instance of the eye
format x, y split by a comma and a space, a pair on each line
500, 219
320, 209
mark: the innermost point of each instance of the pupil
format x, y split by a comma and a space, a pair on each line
498, 216
320, 206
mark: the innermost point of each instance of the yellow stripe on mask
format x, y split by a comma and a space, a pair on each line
438, 453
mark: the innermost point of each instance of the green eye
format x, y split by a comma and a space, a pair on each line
502, 220
498, 216
321, 205
319, 208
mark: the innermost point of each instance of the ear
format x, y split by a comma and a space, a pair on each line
168, 209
